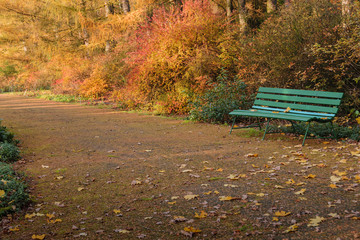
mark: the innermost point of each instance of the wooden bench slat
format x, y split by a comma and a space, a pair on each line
288, 98
272, 115
310, 108
301, 92
329, 115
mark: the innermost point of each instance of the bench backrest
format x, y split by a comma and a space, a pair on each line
317, 103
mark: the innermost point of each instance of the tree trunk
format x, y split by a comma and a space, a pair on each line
346, 7
109, 8
242, 15
271, 6
125, 5
229, 8
287, 3
346, 11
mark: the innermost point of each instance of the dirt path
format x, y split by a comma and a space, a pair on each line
113, 175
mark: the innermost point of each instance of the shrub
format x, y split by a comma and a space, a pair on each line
13, 195
224, 96
322, 130
6, 136
9, 152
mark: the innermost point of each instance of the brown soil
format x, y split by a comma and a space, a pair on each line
84, 162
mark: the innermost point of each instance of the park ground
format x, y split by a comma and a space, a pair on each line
104, 174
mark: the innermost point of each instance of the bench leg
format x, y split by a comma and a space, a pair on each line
232, 126
306, 133
267, 125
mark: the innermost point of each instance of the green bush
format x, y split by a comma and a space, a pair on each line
9, 152
216, 103
13, 195
323, 130
6, 136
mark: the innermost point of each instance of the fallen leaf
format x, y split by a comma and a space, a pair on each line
314, 222
14, 229
251, 155
335, 179
117, 211
290, 181
186, 171
59, 177
122, 231
310, 176
180, 219
219, 170
287, 109
191, 229
190, 196
301, 192
230, 185
172, 203
334, 215
80, 189
333, 185
338, 173
279, 187
44, 166
40, 237
135, 182
207, 193
202, 214
282, 213
292, 228
2, 193
275, 219
226, 198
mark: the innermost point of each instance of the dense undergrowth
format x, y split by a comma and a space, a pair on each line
13, 193
191, 59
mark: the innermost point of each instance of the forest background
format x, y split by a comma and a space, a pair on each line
197, 57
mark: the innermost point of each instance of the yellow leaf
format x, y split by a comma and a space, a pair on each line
282, 213
202, 214
357, 120
30, 215
50, 216
208, 169
191, 229
314, 222
326, 142
301, 192
275, 112
300, 184
14, 229
40, 237
80, 189
332, 185
161, 171
290, 181
335, 179
54, 221
123, 231
172, 203
59, 177
287, 109
226, 198
310, 176
207, 193
254, 166
252, 155
2, 193
233, 177
4, 181
117, 211
279, 187
275, 219
338, 173
291, 228
343, 161
216, 192
260, 194
190, 196
219, 170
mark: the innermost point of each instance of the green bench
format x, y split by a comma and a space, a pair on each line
292, 105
